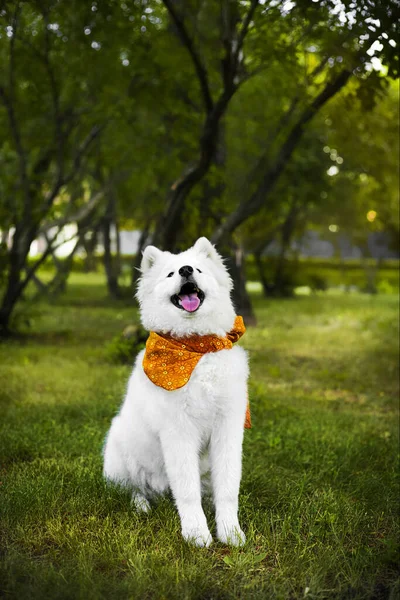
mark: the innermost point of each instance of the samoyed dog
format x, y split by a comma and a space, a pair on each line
168, 434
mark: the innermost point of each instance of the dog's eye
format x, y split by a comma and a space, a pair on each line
199, 270
170, 274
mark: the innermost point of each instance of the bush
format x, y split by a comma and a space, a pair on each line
385, 286
124, 347
321, 274
317, 283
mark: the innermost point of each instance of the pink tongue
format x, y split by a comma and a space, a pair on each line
190, 302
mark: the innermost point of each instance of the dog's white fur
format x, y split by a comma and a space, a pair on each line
163, 439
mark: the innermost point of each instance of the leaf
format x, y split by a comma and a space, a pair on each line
259, 557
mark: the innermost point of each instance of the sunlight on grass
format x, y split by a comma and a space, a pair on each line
319, 491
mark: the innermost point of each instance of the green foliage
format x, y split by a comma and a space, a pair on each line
324, 397
387, 286
367, 168
121, 69
124, 347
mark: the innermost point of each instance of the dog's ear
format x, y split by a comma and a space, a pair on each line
150, 256
205, 247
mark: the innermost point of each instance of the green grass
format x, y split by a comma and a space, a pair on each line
319, 495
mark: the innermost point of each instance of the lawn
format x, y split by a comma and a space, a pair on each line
319, 494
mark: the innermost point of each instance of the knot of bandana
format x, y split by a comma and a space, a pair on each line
169, 362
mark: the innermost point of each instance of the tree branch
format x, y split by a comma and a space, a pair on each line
243, 32
85, 210
76, 165
58, 133
200, 68
9, 106
249, 207
32, 270
82, 150
169, 223
80, 215
8, 99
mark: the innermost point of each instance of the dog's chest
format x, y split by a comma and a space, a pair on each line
211, 373
210, 385
216, 385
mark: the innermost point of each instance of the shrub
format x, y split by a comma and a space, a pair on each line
124, 347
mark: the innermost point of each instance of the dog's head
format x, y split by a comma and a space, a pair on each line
185, 294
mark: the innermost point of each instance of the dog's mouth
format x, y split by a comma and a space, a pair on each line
189, 298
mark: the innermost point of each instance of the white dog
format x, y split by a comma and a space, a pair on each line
162, 438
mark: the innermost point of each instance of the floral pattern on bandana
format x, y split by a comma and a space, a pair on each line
169, 362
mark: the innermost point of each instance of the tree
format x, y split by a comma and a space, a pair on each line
368, 25
229, 30
56, 102
361, 195
194, 112
321, 47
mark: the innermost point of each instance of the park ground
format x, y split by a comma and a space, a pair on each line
319, 494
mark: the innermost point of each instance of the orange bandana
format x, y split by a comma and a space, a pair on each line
169, 362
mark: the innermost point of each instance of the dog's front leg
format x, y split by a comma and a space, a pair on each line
226, 468
181, 458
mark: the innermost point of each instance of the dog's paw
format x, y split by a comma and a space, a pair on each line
231, 535
141, 503
198, 536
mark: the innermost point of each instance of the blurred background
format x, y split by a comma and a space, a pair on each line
270, 127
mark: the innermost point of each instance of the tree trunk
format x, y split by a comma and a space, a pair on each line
252, 205
281, 287
280, 283
42, 287
171, 222
371, 271
89, 244
284, 282
143, 239
62, 267
58, 284
234, 260
20, 245
117, 248
266, 286
110, 265
10, 298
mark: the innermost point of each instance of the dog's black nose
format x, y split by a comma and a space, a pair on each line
186, 271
